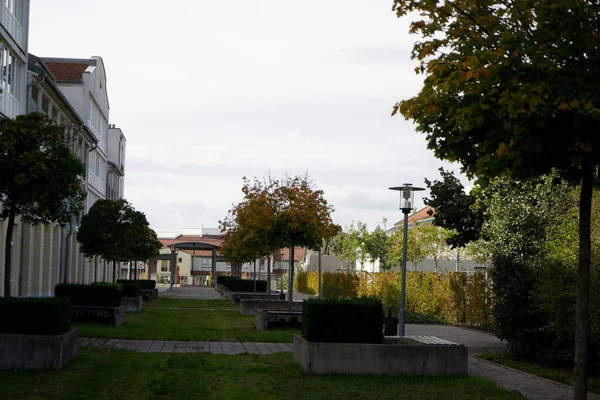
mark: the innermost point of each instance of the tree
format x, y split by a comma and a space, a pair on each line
141, 243
415, 250
303, 218
511, 89
455, 210
349, 245
480, 251
434, 241
40, 178
114, 230
378, 245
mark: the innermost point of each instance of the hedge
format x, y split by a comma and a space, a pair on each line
343, 320
98, 295
222, 278
455, 297
145, 284
245, 285
130, 289
35, 316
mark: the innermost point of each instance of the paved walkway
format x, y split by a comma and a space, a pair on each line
165, 346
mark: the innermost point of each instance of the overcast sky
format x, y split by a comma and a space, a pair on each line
208, 91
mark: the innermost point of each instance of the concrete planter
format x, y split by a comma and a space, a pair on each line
113, 315
155, 293
147, 294
133, 304
235, 297
277, 319
249, 306
38, 351
401, 356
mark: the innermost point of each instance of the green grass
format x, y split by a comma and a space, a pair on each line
158, 322
112, 374
561, 375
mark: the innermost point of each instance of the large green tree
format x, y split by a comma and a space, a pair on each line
378, 245
142, 242
455, 210
40, 178
511, 87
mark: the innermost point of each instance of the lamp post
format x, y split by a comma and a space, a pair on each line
407, 196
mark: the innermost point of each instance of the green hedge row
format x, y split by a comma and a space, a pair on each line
35, 316
145, 284
245, 285
222, 279
343, 320
98, 295
131, 289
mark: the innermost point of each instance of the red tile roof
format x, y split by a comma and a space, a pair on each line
420, 215
66, 72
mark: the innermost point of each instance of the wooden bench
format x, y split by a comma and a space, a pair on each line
116, 315
266, 319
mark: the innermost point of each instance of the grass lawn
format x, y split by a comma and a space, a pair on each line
105, 374
554, 374
177, 319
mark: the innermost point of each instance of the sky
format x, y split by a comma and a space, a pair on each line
207, 92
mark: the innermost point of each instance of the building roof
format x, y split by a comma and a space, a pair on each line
190, 238
66, 71
420, 215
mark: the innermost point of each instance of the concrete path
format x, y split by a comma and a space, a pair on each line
190, 292
165, 346
528, 385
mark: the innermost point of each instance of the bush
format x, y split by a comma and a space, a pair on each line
35, 316
343, 320
221, 279
145, 284
335, 285
245, 285
98, 295
131, 289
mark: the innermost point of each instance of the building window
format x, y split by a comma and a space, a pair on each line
11, 73
179, 259
163, 269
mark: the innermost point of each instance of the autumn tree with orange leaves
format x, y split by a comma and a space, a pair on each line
512, 88
274, 214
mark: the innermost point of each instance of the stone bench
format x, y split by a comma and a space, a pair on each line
133, 304
266, 319
116, 315
249, 306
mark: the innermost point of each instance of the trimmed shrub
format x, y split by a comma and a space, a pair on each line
145, 284
343, 320
131, 289
245, 285
98, 295
221, 279
35, 316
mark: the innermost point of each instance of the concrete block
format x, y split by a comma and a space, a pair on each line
398, 357
113, 315
147, 294
133, 304
249, 306
266, 319
235, 297
38, 351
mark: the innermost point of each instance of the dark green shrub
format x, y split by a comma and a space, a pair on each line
98, 295
245, 285
130, 289
221, 279
145, 284
343, 320
35, 316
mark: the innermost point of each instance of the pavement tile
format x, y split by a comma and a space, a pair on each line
262, 348
284, 347
111, 343
215, 348
169, 347
84, 342
123, 345
145, 346
239, 348
250, 348
273, 348
227, 348
157, 346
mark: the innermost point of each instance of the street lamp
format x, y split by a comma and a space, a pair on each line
407, 200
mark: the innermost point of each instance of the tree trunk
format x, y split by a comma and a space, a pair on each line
8, 253
114, 277
291, 280
583, 281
